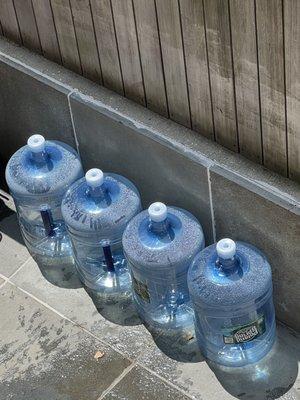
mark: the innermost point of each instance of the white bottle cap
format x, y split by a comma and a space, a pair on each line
94, 177
158, 212
226, 248
36, 143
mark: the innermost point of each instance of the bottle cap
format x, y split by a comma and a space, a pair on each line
94, 177
36, 143
226, 248
158, 212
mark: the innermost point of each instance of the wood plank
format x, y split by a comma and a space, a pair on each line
150, 52
292, 68
128, 50
173, 60
9, 21
66, 34
86, 40
46, 29
221, 72
272, 86
194, 40
27, 24
242, 16
107, 45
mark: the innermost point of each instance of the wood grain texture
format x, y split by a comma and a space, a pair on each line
107, 45
129, 50
173, 60
228, 69
27, 24
221, 72
46, 29
194, 40
150, 53
9, 21
66, 35
292, 67
272, 85
86, 39
246, 77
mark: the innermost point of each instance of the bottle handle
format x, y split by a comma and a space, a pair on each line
47, 218
108, 258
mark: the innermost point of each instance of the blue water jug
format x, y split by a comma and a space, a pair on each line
231, 288
160, 244
96, 210
38, 176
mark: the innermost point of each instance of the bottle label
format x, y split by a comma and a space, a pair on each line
141, 289
244, 333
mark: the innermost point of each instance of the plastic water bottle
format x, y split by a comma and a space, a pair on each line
160, 244
38, 176
231, 288
96, 210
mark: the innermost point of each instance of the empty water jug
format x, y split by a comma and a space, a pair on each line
96, 210
38, 176
231, 288
160, 244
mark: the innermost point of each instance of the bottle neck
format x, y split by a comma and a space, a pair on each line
159, 227
99, 194
228, 265
40, 157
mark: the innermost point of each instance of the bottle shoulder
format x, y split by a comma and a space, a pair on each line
210, 286
181, 241
104, 212
52, 173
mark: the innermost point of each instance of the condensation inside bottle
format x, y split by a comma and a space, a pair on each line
160, 250
96, 210
38, 175
232, 297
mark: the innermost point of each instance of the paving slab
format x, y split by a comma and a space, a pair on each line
45, 357
139, 384
12, 247
76, 305
275, 376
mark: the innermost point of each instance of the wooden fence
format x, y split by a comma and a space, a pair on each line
228, 69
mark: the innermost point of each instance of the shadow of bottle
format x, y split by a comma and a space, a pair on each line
179, 344
60, 273
269, 378
116, 307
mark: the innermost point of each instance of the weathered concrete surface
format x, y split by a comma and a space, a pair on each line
78, 306
12, 249
43, 356
140, 384
274, 376
32, 107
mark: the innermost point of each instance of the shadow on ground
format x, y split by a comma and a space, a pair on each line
120, 312
268, 379
64, 276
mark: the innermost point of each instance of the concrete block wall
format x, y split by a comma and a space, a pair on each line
228, 194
